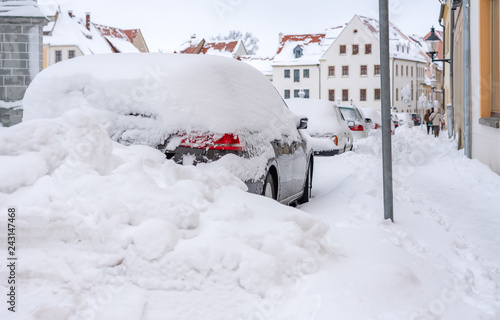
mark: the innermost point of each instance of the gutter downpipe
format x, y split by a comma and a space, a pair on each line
319, 70
467, 80
443, 63
452, 83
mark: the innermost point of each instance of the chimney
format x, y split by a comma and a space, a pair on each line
280, 37
70, 12
87, 20
193, 36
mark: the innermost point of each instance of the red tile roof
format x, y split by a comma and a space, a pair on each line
128, 35
313, 38
228, 46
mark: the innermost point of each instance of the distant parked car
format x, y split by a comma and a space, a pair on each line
355, 121
415, 117
193, 108
404, 119
372, 117
327, 127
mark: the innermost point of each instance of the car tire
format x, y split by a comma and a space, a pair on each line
306, 195
352, 146
269, 189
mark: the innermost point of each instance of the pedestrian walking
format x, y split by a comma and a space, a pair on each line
427, 121
435, 119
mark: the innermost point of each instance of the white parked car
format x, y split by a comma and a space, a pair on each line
404, 119
355, 121
327, 127
372, 117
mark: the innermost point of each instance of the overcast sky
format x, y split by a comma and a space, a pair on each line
166, 24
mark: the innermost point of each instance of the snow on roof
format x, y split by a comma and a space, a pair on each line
263, 64
311, 45
401, 45
173, 91
99, 39
20, 9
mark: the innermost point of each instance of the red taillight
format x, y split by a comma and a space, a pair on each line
228, 141
335, 140
376, 126
358, 127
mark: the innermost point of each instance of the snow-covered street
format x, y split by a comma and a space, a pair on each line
107, 231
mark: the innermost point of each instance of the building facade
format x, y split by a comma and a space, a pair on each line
482, 94
344, 64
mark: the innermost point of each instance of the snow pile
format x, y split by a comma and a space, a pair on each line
112, 231
142, 98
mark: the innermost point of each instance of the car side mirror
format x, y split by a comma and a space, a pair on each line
303, 123
350, 123
368, 120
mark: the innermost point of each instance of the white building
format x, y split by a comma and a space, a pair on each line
68, 36
344, 62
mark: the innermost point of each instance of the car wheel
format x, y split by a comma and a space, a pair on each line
345, 147
306, 195
352, 146
269, 189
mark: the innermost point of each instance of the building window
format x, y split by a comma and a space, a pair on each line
407, 71
71, 54
342, 49
345, 71
397, 94
377, 70
287, 73
306, 93
296, 75
402, 74
345, 95
297, 52
331, 95
368, 48
355, 49
396, 70
306, 73
331, 71
296, 93
412, 72
377, 94
364, 70
362, 94
287, 94
489, 64
58, 56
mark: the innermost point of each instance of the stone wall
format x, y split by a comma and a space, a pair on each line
21, 57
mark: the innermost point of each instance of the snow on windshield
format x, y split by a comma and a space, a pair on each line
141, 98
321, 114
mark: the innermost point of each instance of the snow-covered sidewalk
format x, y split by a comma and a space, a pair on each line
106, 231
439, 260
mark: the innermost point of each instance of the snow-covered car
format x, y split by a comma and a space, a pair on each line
404, 119
355, 121
330, 133
372, 117
194, 108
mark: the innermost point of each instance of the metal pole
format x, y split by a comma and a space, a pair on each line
467, 80
386, 109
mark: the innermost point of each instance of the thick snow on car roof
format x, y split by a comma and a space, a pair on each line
321, 115
141, 98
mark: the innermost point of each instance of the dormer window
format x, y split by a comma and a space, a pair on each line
297, 52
